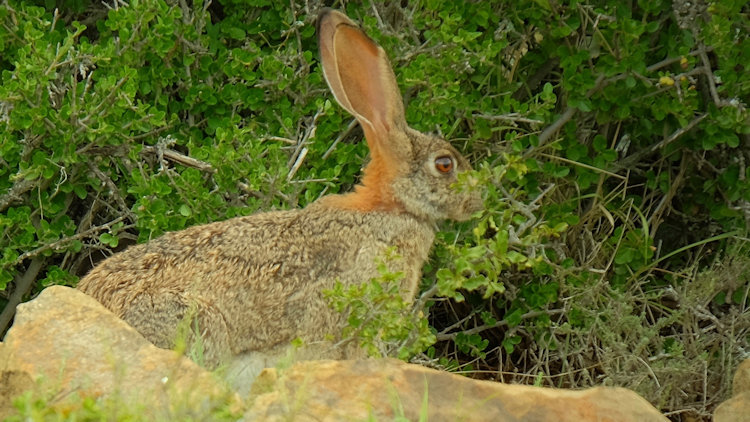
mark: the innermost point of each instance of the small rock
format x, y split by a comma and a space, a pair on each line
737, 408
74, 344
741, 381
385, 389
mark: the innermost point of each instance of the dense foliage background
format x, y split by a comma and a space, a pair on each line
613, 138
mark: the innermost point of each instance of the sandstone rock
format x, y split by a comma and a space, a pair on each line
741, 382
76, 345
384, 389
12, 384
737, 408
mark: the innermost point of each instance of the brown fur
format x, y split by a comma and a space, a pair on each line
254, 283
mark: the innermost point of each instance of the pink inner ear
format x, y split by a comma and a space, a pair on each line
359, 66
360, 77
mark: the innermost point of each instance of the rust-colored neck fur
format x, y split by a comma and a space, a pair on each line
375, 192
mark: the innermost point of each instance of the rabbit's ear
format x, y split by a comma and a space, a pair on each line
360, 77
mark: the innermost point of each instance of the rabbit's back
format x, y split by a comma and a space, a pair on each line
253, 282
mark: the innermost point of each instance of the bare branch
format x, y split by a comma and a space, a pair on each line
67, 240
113, 189
15, 193
636, 157
23, 286
552, 129
342, 135
179, 158
502, 323
568, 114
298, 157
510, 117
679, 132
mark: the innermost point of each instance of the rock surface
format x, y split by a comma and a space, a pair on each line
741, 382
385, 389
737, 408
65, 344
12, 384
74, 344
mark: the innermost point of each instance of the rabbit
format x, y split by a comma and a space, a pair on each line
254, 283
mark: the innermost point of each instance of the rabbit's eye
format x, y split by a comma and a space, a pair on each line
444, 164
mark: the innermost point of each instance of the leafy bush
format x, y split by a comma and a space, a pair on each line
612, 138
378, 316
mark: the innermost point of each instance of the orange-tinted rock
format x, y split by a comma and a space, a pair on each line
741, 383
12, 384
76, 345
737, 409
384, 389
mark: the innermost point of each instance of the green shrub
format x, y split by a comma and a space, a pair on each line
612, 139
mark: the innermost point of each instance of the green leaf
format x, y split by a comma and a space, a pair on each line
624, 255
5, 278
515, 257
80, 191
600, 143
510, 343
732, 140
185, 211
514, 318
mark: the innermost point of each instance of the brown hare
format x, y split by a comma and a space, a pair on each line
252, 284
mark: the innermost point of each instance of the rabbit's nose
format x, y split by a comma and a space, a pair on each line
474, 203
